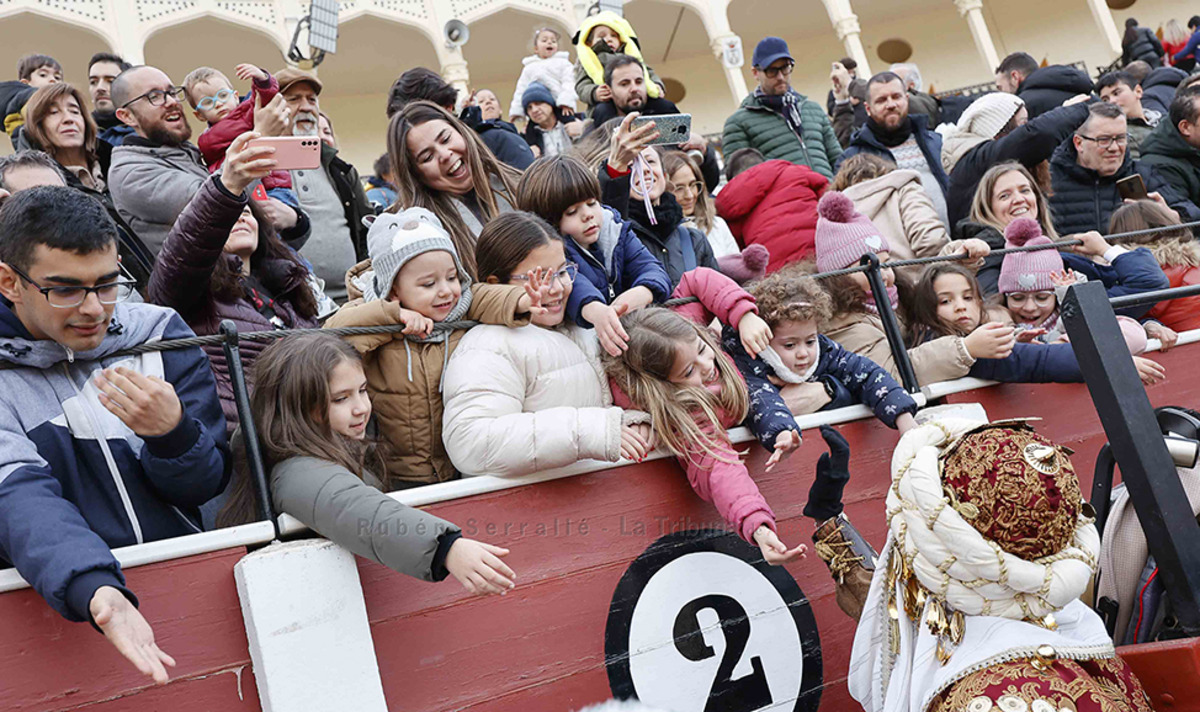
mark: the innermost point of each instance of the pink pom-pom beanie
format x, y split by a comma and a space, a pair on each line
1028, 271
844, 235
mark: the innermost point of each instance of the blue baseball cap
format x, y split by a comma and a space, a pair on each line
770, 50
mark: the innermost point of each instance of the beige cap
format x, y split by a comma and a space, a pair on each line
290, 75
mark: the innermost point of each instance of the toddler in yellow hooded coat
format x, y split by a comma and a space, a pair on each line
416, 279
600, 38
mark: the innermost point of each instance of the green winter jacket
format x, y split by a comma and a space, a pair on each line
1177, 162
756, 126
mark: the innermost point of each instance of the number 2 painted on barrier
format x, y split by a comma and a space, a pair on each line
726, 695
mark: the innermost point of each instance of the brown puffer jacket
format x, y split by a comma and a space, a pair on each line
404, 377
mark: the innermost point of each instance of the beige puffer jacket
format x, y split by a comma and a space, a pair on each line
942, 359
528, 399
403, 377
898, 205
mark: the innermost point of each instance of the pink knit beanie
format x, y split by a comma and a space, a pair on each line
1028, 271
844, 235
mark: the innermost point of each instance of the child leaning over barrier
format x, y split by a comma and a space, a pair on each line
815, 371
417, 280
311, 407
618, 273
675, 369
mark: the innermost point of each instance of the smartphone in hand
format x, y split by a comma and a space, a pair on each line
292, 152
1132, 188
672, 128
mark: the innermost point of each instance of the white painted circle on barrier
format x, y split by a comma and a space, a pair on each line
758, 656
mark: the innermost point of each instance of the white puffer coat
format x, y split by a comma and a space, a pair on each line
556, 73
520, 400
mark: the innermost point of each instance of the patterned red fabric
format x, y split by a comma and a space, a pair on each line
1105, 685
1027, 512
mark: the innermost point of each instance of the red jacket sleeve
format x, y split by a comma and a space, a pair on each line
719, 296
216, 139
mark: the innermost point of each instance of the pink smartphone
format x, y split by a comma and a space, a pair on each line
293, 152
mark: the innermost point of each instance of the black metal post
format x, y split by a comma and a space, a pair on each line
891, 326
241, 396
1137, 444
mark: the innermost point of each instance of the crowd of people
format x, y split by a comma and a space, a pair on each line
524, 273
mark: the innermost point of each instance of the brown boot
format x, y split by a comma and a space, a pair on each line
851, 561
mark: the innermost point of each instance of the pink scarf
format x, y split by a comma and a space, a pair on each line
893, 299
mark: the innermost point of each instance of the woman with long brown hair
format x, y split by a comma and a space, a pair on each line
311, 406
1177, 253
441, 165
1007, 191
57, 122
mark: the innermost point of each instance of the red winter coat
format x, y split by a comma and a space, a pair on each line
216, 138
774, 204
728, 485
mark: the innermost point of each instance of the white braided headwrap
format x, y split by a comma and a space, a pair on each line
952, 560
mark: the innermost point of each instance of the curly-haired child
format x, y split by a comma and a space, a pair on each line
813, 371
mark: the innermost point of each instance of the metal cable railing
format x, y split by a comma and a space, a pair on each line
230, 340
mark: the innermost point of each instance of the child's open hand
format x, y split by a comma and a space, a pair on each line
756, 335
1150, 372
775, 552
1028, 336
785, 443
606, 321
416, 324
247, 72
1064, 278
537, 290
478, 567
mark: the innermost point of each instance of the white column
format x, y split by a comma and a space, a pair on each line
845, 23
310, 641
1104, 20
733, 74
972, 10
130, 40
455, 72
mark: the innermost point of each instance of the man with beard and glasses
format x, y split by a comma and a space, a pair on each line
331, 195
156, 171
779, 121
894, 134
103, 69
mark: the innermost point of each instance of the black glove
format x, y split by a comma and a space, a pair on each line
833, 472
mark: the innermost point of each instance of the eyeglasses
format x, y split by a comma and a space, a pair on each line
1106, 141
71, 297
157, 97
210, 102
693, 187
565, 275
785, 70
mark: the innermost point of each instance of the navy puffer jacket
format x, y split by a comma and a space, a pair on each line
1085, 200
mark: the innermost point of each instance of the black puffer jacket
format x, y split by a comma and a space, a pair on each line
1084, 200
1145, 47
1158, 88
1047, 88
